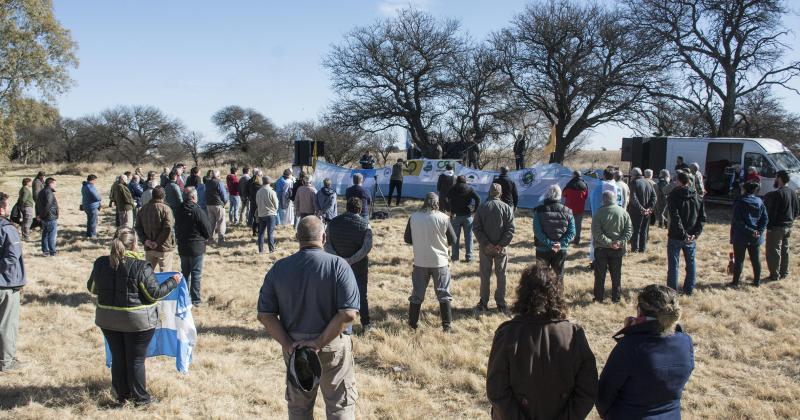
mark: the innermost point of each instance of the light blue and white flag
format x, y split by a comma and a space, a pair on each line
175, 335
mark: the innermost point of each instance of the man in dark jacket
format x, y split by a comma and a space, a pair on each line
216, 198
553, 230
357, 191
192, 230
122, 198
446, 180
782, 209
154, 225
519, 153
244, 209
509, 195
641, 206
464, 201
367, 161
350, 237
12, 280
47, 214
686, 218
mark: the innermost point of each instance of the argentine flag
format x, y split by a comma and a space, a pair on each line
175, 335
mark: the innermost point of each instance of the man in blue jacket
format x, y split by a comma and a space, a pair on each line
12, 279
90, 200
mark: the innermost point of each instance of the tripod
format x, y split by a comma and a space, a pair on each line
378, 192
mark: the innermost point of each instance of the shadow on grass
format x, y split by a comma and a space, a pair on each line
232, 331
65, 299
13, 396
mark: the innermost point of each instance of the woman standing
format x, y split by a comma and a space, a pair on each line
540, 366
747, 231
645, 374
127, 292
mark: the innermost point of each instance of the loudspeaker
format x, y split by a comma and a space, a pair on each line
304, 152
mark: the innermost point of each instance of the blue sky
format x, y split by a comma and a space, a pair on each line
191, 58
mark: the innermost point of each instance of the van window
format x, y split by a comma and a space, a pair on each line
761, 164
785, 161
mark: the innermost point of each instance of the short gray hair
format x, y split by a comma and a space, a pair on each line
326, 182
431, 202
358, 178
609, 197
695, 166
648, 173
664, 174
189, 193
309, 229
553, 193
215, 173
636, 172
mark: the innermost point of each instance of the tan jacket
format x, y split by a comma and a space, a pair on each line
305, 199
155, 222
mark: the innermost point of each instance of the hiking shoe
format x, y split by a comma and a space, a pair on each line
503, 309
481, 307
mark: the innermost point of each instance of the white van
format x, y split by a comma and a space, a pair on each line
723, 161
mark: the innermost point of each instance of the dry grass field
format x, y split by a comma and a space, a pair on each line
747, 341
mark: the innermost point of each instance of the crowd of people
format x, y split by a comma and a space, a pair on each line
309, 300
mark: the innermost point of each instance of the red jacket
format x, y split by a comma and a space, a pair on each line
575, 199
233, 184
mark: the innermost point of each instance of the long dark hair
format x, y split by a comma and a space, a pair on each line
540, 293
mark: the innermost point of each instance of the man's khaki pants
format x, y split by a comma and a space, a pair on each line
338, 383
161, 261
216, 217
125, 218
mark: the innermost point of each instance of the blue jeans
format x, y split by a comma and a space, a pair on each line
281, 215
267, 224
91, 223
192, 270
49, 231
674, 248
233, 210
465, 223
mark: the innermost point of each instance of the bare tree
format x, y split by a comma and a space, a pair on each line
579, 65
394, 74
343, 145
478, 94
192, 142
139, 130
384, 143
730, 49
762, 115
241, 127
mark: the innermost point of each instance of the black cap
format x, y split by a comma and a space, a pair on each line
305, 369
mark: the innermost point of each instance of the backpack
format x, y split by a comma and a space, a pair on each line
16, 214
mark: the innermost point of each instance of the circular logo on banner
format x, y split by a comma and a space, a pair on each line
427, 168
387, 171
442, 164
528, 178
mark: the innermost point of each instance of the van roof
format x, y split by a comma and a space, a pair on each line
770, 145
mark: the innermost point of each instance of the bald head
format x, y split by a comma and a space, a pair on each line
310, 232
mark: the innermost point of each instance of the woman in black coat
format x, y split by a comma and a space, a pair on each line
127, 292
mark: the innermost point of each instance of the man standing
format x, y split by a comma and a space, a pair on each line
367, 161
596, 202
12, 280
430, 233
662, 191
180, 180
147, 195
446, 180
494, 228
306, 301
350, 237
519, 153
154, 225
216, 197
699, 183
266, 213
643, 202
192, 231
782, 209
122, 198
232, 182
305, 199
357, 191
464, 201
325, 202
680, 165
553, 230
575, 193
396, 181
509, 195
38, 184
686, 218
625, 198
47, 214
90, 200
611, 230
26, 204
244, 209
283, 187
172, 192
